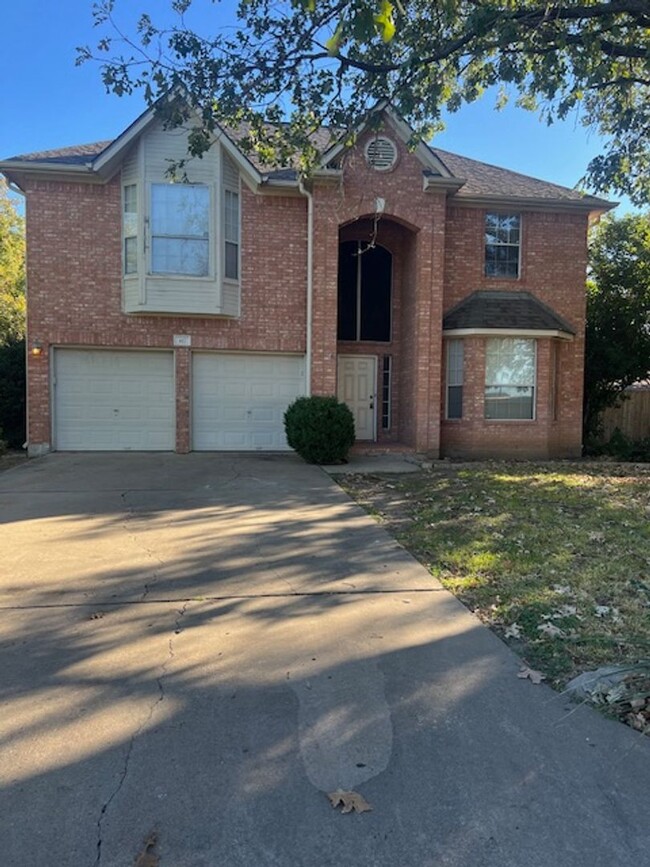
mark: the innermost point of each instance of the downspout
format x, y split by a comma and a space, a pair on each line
310, 282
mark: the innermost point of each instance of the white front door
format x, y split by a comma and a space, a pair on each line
357, 386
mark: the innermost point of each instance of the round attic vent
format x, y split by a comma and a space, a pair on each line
381, 153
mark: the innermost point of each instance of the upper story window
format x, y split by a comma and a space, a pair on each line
502, 245
364, 292
180, 229
130, 228
510, 365
454, 408
231, 234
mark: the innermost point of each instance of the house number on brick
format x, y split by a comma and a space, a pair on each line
182, 340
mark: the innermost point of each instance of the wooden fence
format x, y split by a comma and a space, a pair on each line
632, 416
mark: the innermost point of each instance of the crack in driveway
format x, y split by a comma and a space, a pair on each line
171, 654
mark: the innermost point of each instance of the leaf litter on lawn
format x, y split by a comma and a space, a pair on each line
554, 557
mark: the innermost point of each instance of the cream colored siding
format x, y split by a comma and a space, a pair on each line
149, 163
230, 173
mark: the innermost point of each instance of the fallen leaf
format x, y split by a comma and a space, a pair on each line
551, 630
513, 631
534, 676
147, 857
349, 801
566, 611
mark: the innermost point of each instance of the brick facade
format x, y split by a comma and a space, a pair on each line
437, 245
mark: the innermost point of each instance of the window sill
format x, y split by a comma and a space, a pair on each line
502, 277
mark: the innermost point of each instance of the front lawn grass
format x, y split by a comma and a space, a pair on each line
554, 557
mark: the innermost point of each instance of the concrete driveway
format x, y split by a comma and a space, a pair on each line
196, 648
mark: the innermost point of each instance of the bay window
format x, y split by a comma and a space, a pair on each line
510, 367
180, 229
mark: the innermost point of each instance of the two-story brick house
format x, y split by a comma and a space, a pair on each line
440, 297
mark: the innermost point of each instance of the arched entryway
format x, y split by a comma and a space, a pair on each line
374, 275
364, 321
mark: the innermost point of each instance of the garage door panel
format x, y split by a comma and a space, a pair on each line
239, 400
106, 400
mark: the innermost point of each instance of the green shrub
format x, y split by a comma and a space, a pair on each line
12, 392
625, 449
320, 429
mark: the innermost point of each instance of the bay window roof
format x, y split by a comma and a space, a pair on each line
500, 311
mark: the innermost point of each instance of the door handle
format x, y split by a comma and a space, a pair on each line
372, 401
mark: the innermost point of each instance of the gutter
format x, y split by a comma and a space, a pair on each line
310, 282
588, 205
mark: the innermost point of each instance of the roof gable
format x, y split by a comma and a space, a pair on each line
430, 161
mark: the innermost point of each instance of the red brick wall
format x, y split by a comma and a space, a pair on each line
75, 294
75, 287
421, 218
553, 268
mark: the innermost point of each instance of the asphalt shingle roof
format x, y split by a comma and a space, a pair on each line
484, 179
494, 309
73, 155
481, 179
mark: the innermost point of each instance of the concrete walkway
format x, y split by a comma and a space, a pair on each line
196, 648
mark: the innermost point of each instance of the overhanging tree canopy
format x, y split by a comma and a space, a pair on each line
330, 60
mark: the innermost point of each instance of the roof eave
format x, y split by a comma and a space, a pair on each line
507, 332
587, 205
432, 183
17, 171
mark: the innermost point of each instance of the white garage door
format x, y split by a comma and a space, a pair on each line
113, 400
239, 400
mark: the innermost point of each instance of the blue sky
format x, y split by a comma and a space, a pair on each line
48, 102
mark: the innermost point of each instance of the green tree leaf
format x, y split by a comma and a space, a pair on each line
617, 350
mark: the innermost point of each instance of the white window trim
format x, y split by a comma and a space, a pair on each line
514, 420
520, 245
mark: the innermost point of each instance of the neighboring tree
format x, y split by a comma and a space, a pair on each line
618, 313
331, 60
12, 321
12, 269
12, 393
